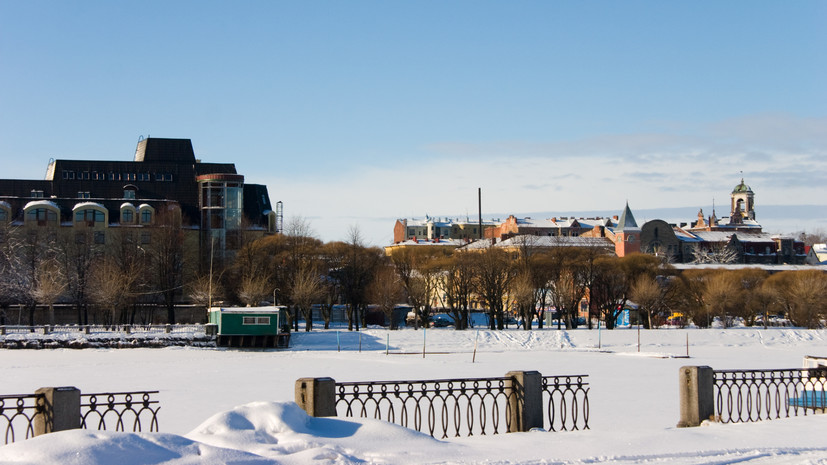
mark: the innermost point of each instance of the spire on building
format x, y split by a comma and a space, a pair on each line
627, 220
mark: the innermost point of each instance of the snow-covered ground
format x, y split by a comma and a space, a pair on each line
235, 406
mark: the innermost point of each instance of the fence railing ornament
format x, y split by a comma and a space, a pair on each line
519, 401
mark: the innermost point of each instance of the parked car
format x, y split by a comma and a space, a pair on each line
441, 321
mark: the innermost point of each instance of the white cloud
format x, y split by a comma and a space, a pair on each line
780, 157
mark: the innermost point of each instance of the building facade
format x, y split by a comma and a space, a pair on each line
163, 183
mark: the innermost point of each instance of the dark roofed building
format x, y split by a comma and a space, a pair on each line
211, 197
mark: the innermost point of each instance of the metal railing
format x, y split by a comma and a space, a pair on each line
568, 402
466, 407
755, 395
459, 406
119, 406
28, 415
19, 410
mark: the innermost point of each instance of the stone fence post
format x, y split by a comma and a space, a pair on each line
525, 399
61, 410
317, 396
696, 385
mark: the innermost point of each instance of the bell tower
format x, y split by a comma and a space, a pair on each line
743, 203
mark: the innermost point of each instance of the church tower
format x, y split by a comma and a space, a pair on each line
743, 203
627, 234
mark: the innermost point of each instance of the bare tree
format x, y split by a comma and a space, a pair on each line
77, 251
110, 290
49, 286
493, 273
420, 277
205, 290
386, 291
306, 290
167, 256
691, 296
714, 252
458, 286
721, 294
614, 279
652, 295
524, 297
253, 289
803, 294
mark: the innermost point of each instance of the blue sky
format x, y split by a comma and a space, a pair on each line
362, 112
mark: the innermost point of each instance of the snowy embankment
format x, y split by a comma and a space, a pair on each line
234, 406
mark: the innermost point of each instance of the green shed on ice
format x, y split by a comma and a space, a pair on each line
249, 326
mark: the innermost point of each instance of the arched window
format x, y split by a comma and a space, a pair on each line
90, 214
146, 214
128, 214
41, 213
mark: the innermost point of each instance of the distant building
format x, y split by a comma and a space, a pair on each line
163, 181
429, 229
551, 227
817, 255
737, 238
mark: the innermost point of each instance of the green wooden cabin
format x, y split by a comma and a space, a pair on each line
249, 326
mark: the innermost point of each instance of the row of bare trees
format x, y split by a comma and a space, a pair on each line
40, 266
750, 295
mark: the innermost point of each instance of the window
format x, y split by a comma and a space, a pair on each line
127, 215
68, 174
167, 177
100, 237
129, 193
255, 320
38, 194
83, 175
89, 216
146, 216
4, 215
146, 237
84, 195
159, 177
43, 216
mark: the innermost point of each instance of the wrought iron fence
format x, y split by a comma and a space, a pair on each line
755, 395
456, 406
19, 410
568, 402
465, 407
124, 408
104, 411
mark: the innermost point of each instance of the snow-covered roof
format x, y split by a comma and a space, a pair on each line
127, 204
542, 242
88, 205
270, 309
41, 203
4, 204
413, 222
725, 236
746, 223
438, 242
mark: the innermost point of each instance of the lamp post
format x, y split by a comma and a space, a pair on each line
274, 296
